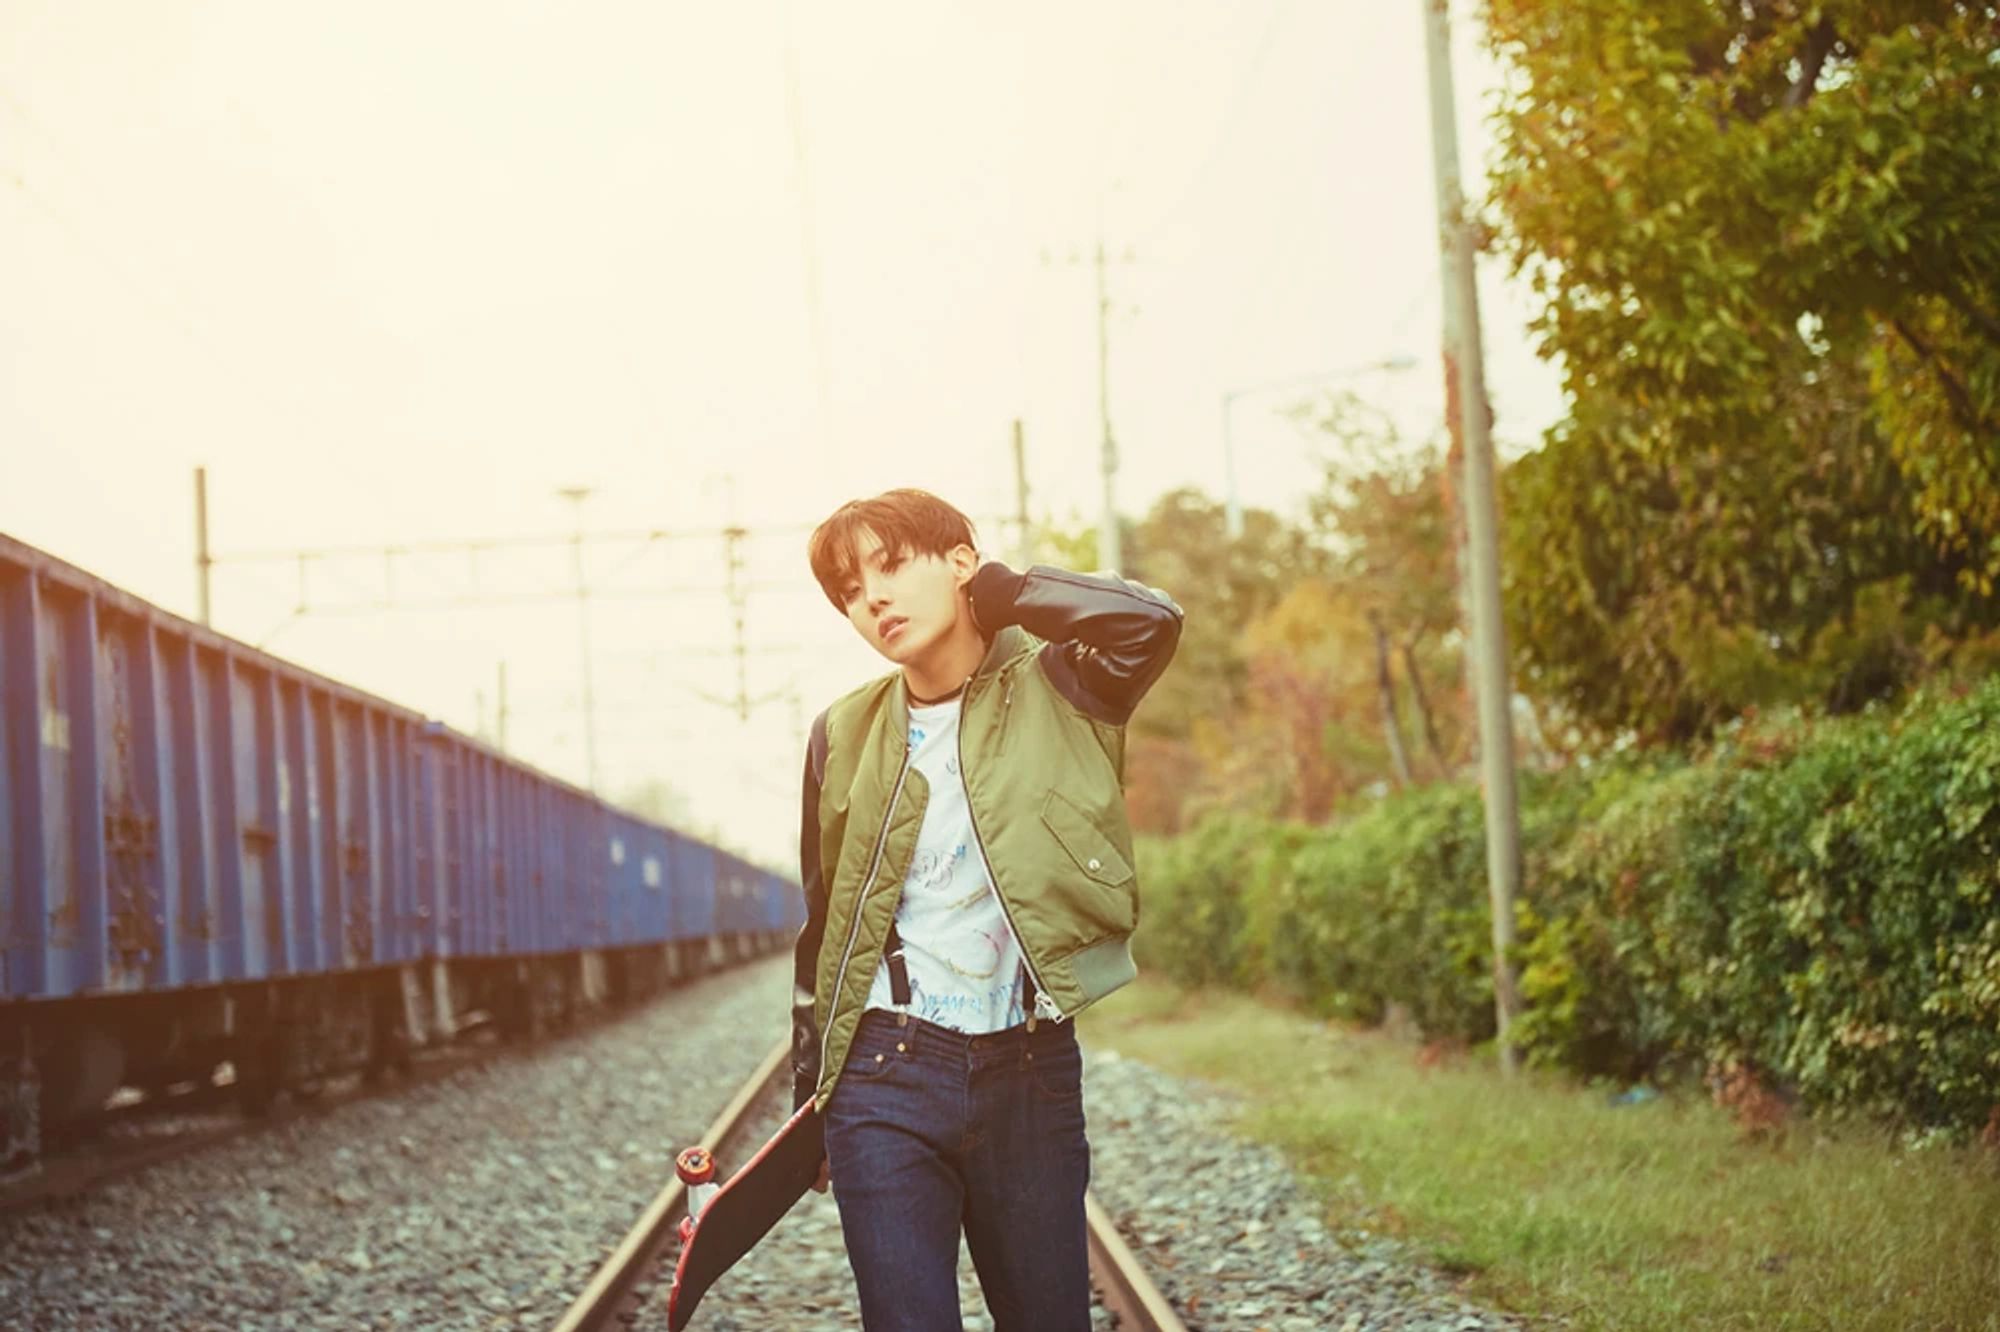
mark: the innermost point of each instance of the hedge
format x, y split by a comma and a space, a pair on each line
1817, 900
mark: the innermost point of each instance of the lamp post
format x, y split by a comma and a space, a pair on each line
1392, 364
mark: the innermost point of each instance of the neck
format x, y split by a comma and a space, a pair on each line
947, 666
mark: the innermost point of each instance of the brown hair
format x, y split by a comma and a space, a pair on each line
905, 521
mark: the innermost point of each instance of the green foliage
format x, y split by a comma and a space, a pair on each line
1763, 238
1196, 888
1182, 546
1820, 901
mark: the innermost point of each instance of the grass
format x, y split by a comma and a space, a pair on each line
1546, 1199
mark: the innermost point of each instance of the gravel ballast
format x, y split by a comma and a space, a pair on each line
481, 1201
485, 1200
1223, 1225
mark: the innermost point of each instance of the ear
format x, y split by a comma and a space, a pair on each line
964, 563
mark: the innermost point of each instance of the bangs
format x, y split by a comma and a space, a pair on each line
906, 522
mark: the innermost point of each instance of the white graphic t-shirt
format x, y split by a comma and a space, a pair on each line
961, 955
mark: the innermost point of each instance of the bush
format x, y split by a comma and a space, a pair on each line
1819, 901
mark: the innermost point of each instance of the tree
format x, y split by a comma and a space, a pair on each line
1384, 516
1193, 716
1762, 230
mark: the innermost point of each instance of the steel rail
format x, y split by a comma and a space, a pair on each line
646, 1243
1120, 1278
1127, 1290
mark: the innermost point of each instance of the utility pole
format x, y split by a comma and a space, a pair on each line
202, 562
1465, 415
1109, 551
577, 495
732, 564
1024, 549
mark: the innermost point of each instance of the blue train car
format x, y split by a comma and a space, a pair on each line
209, 854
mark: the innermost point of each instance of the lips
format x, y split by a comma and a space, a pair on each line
890, 627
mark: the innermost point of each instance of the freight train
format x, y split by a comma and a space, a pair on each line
210, 855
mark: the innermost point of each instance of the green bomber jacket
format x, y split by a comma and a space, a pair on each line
1042, 752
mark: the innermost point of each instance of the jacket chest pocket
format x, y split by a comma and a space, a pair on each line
1096, 855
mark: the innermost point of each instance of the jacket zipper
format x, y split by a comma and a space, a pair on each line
1045, 1007
1006, 706
867, 885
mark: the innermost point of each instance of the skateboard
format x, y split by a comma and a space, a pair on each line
744, 1209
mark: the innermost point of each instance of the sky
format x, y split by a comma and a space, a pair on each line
399, 275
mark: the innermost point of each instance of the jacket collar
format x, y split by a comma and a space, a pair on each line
1004, 646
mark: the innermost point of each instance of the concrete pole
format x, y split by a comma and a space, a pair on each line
202, 560
1465, 414
1110, 553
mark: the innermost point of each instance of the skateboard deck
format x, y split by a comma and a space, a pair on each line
750, 1202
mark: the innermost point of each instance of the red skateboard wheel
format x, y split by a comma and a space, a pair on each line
696, 1165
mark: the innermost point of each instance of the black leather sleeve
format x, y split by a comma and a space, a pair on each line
1108, 638
805, 954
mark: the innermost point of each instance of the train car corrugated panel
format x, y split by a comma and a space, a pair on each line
490, 887
251, 914
732, 904
75, 953
534, 914
28, 726
468, 904
776, 909
653, 919
401, 925
481, 906
473, 888
556, 928
565, 919
532, 908
694, 881
591, 901
347, 916
136, 800
303, 825
427, 842
498, 883
503, 883
618, 858
201, 807
567, 911
582, 908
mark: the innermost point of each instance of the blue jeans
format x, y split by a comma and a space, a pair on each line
931, 1129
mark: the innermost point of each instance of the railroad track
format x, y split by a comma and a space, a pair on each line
207, 1116
639, 1269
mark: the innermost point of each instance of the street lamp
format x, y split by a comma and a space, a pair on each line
1402, 361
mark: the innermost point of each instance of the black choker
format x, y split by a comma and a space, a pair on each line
933, 702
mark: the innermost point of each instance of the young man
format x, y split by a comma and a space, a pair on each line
968, 878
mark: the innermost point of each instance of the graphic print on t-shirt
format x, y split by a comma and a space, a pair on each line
962, 958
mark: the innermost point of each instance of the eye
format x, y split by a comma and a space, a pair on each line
849, 593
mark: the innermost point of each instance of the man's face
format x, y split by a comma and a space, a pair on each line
904, 607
